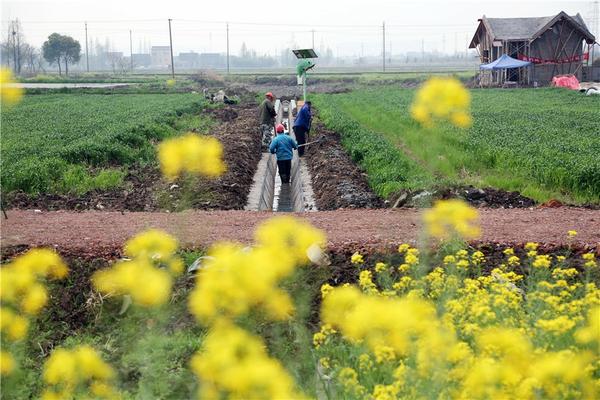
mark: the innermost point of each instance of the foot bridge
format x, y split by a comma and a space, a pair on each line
267, 192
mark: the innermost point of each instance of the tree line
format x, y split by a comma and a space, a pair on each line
20, 56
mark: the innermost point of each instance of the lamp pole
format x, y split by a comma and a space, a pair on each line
171, 47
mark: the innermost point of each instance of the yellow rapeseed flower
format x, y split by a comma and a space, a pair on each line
291, 237
557, 325
591, 332
237, 279
442, 99
357, 258
148, 276
192, 153
380, 267
571, 233
403, 247
234, 364
7, 363
326, 289
531, 246
542, 261
147, 285
35, 299
453, 217
366, 283
66, 370
152, 244
10, 93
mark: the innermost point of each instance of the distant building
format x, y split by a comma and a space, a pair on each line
211, 60
161, 56
555, 45
188, 60
142, 59
114, 55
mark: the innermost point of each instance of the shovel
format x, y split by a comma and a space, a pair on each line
314, 141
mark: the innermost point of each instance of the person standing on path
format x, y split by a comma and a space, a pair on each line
302, 126
283, 145
266, 118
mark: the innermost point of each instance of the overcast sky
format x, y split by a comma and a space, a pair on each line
349, 27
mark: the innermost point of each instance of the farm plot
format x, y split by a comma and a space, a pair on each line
543, 143
79, 142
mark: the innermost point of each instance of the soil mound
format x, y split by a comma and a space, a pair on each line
337, 181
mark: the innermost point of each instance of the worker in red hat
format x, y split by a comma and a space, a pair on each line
283, 146
266, 117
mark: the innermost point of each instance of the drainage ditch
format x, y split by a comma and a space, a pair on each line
267, 192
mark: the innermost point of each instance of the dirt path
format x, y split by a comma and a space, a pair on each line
93, 232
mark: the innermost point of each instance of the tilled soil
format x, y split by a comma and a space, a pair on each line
144, 185
94, 232
136, 195
337, 181
242, 153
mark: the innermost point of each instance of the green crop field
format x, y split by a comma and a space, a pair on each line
544, 143
79, 142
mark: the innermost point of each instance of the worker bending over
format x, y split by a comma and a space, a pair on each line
302, 126
283, 145
266, 118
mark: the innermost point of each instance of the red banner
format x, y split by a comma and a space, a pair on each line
536, 60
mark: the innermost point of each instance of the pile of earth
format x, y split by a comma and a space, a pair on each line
486, 197
241, 153
145, 190
337, 182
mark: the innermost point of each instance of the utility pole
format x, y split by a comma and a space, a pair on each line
227, 48
313, 39
130, 51
171, 46
443, 44
423, 49
383, 26
455, 44
87, 57
14, 35
467, 45
18, 49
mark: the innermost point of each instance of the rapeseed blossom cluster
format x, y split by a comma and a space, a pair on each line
237, 281
191, 153
10, 94
23, 294
455, 332
451, 218
147, 274
234, 362
78, 371
442, 99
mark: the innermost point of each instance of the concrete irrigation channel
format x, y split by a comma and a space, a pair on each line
267, 192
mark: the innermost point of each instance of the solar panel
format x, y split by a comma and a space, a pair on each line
305, 53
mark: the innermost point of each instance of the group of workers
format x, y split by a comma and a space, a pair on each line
283, 145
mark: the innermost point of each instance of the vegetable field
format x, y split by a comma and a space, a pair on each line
543, 143
66, 142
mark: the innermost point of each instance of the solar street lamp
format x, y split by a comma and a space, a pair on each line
304, 64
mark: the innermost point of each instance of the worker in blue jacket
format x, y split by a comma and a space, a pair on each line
283, 145
302, 126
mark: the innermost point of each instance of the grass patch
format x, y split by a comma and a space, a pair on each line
543, 143
53, 142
